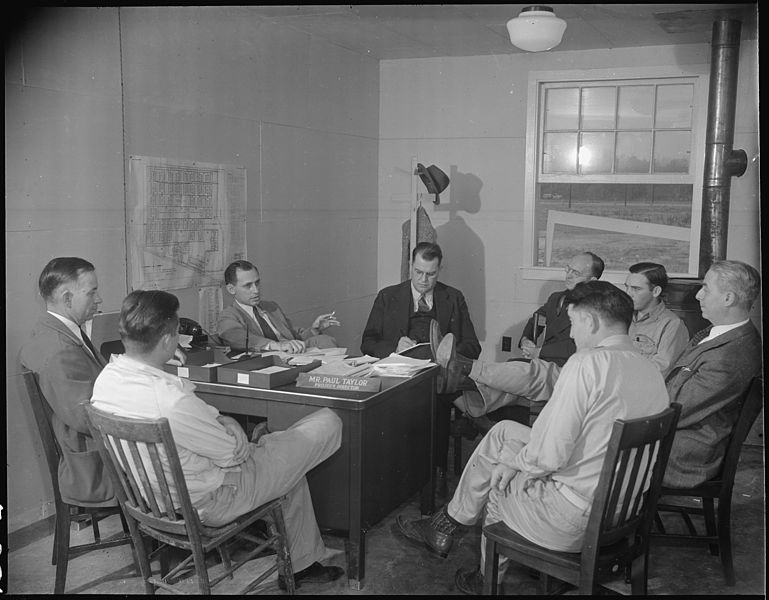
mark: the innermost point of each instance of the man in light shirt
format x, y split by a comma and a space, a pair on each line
226, 475
254, 324
66, 364
540, 480
658, 333
713, 373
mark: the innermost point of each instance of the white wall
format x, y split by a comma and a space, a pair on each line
468, 116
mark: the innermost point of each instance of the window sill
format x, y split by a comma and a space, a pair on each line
557, 274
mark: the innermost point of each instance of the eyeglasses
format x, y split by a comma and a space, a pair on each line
572, 271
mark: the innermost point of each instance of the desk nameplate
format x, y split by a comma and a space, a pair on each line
338, 382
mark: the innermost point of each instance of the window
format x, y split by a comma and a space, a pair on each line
613, 168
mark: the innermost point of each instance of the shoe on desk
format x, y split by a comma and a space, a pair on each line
315, 573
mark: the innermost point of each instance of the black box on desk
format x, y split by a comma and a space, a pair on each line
246, 372
193, 367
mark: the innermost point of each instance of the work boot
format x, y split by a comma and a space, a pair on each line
436, 533
454, 367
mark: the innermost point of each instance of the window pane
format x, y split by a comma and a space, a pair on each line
674, 106
636, 103
634, 151
596, 153
608, 206
562, 109
671, 151
598, 106
559, 153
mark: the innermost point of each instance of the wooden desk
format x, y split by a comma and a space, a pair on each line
385, 457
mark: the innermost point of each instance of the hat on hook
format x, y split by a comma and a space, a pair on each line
434, 179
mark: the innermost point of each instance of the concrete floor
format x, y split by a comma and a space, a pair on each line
396, 567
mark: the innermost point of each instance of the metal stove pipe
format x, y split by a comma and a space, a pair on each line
721, 161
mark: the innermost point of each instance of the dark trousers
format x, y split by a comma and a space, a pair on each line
443, 405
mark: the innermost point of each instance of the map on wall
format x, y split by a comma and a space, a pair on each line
186, 222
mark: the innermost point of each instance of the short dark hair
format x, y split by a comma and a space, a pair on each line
428, 251
231, 272
146, 316
59, 271
739, 278
655, 273
597, 267
602, 299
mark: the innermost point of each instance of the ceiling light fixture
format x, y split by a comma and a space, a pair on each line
536, 29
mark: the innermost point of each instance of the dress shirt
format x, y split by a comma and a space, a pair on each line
428, 298
250, 312
570, 437
131, 388
717, 330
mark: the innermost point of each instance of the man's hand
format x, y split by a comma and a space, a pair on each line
404, 343
289, 346
501, 476
322, 322
528, 348
233, 428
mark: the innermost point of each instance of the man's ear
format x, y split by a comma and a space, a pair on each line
230, 288
595, 323
730, 299
656, 291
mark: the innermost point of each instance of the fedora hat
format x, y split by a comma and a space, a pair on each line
434, 179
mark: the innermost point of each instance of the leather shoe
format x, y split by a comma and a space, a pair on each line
423, 533
435, 341
469, 581
446, 357
315, 573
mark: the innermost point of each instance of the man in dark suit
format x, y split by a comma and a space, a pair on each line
557, 345
62, 356
400, 319
713, 372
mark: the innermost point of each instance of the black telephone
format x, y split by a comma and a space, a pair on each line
190, 327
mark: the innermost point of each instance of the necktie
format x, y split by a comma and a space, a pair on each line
422, 304
265, 326
89, 344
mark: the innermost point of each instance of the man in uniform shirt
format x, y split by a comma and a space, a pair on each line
540, 481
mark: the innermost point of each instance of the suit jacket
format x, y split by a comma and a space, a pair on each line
66, 372
233, 323
557, 345
389, 319
707, 380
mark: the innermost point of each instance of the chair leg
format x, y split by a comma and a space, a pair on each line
224, 554
199, 560
709, 513
95, 528
278, 525
61, 549
639, 575
658, 523
725, 539
491, 569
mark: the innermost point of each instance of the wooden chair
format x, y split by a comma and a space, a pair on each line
156, 502
617, 535
67, 513
718, 535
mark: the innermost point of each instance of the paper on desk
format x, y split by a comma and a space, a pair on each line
397, 365
309, 355
268, 370
185, 341
342, 368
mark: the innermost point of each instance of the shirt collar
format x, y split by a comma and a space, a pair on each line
416, 294
652, 314
71, 325
248, 309
127, 363
620, 340
717, 330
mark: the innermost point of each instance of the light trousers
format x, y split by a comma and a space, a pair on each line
508, 383
534, 508
277, 466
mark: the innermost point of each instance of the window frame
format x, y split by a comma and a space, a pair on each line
699, 74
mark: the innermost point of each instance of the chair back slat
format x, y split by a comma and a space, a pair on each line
42, 411
150, 470
630, 479
750, 405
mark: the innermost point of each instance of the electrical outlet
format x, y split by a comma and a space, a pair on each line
507, 343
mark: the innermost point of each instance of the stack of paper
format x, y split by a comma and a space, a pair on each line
309, 355
397, 365
343, 368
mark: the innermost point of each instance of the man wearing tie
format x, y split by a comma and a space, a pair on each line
253, 324
401, 317
66, 364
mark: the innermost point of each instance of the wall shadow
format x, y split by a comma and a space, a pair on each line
464, 255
